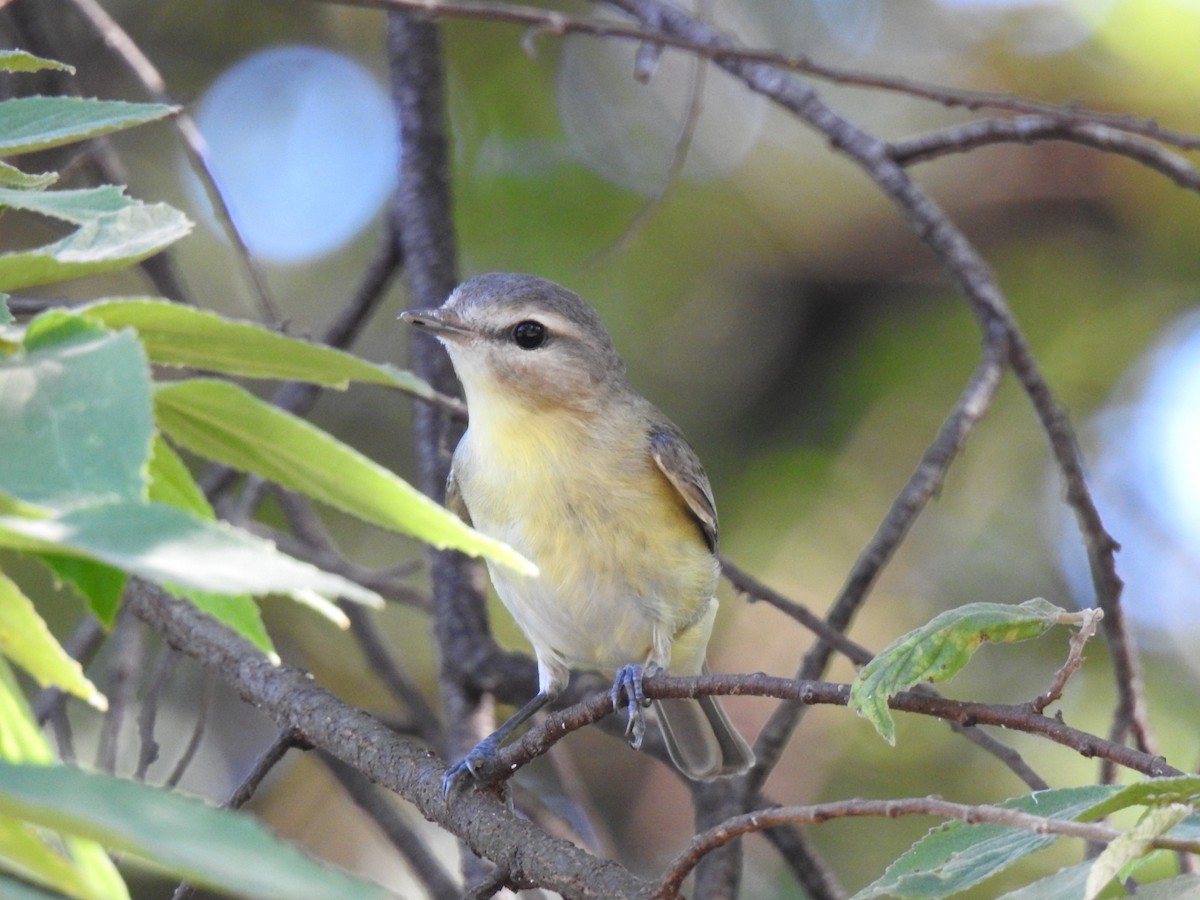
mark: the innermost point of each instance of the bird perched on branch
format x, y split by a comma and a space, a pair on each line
566, 463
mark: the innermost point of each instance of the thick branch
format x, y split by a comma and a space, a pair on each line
295, 702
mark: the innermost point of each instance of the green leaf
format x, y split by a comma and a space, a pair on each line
77, 421
100, 585
939, 649
25, 639
1149, 792
240, 613
172, 547
179, 335
12, 177
1065, 884
114, 231
955, 856
39, 123
1185, 887
214, 848
20, 738
227, 424
84, 871
171, 482
1131, 846
6, 316
21, 61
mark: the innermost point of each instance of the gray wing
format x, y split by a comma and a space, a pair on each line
678, 461
454, 500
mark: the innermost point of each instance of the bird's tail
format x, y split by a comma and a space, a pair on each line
702, 742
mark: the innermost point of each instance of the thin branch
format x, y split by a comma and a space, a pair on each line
1012, 717
127, 50
922, 485
266, 762
193, 745
651, 33
1075, 658
425, 865
81, 645
127, 646
160, 676
702, 844
1034, 129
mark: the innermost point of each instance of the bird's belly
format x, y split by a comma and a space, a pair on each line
620, 568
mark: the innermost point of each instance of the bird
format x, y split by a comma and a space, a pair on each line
566, 463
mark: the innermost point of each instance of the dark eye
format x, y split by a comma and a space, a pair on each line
529, 335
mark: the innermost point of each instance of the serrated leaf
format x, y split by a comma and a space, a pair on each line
241, 614
955, 856
171, 547
12, 177
84, 871
939, 649
114, 231
22, 61
225, 423
179, 335
193, 841
77, 421
1065, 884
39, 123
1148, 792
1185, 887
25, 639
1131, 846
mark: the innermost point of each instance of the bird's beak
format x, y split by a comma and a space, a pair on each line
439, 323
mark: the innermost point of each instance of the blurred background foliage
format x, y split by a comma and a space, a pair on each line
774, 305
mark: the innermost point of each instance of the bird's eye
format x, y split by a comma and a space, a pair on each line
529, 335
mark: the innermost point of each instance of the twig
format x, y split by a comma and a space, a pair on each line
296, 703
806, 865
81, 645
127, 651
1013, 717
1075, 658
651, 32
266, 762
1034, 129
127, 50
922, 485
704, 843
433, 876
160, 676
189, 750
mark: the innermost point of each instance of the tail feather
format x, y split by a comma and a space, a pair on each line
702, 742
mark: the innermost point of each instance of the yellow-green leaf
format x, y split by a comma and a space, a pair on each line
228, 424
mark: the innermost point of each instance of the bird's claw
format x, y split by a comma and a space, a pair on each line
469, 766
628, 684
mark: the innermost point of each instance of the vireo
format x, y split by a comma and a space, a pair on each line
565, 462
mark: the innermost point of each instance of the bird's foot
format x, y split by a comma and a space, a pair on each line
628, 684
468, 767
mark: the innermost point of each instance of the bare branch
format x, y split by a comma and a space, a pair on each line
702, 844
1075, 658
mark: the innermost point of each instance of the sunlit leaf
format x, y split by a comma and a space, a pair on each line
114, 231
172, 547
1132, 845
939, 649
22, 61
84, 871
225, 423
179, 335
1148, 792
39, 123
955, 856
214, 848
25, 639
12, 177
